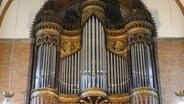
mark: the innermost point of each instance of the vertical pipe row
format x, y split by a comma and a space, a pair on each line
69, 74
93, 55
118, 74
142, 68
143, 72
46, 64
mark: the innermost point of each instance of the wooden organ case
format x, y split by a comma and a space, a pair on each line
93, 52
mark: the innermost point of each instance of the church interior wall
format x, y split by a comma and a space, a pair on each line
170, 55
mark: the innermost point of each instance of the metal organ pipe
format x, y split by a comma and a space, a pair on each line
93, 57
46, 63
70, 73
118, 74
142, 69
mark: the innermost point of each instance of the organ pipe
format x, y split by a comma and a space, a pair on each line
93, 54
118, 74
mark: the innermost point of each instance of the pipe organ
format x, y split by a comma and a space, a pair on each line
93, 52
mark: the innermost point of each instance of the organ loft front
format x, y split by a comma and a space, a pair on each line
93, 52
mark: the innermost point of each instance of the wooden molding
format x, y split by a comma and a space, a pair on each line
4, 10
180, 5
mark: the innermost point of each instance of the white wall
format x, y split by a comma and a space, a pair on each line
168, 16
18, 19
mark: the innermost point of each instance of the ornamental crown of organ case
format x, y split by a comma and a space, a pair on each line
93, 52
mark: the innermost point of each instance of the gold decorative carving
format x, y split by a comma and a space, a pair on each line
70, 43
139, 27
139, 31
97, 95
93, 7
144, 91
48, 28
69, 98
139, 38
90, 100
123, 98
44, 96
44, 91
116, 42
93, 92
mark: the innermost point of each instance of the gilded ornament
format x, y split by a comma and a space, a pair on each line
48, 28
144, 91
69, 98
93, 7
97, 95
44, 92
123, 98
70, 43
116, 42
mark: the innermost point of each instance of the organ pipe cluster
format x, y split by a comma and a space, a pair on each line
94, 64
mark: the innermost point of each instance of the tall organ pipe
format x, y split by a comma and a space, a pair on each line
93, 53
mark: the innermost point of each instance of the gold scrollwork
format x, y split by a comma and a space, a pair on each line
116, 42
144, 91
70, 43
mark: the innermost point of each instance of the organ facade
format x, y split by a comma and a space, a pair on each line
93, 52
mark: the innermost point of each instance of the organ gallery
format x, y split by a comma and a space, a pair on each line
93, 52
